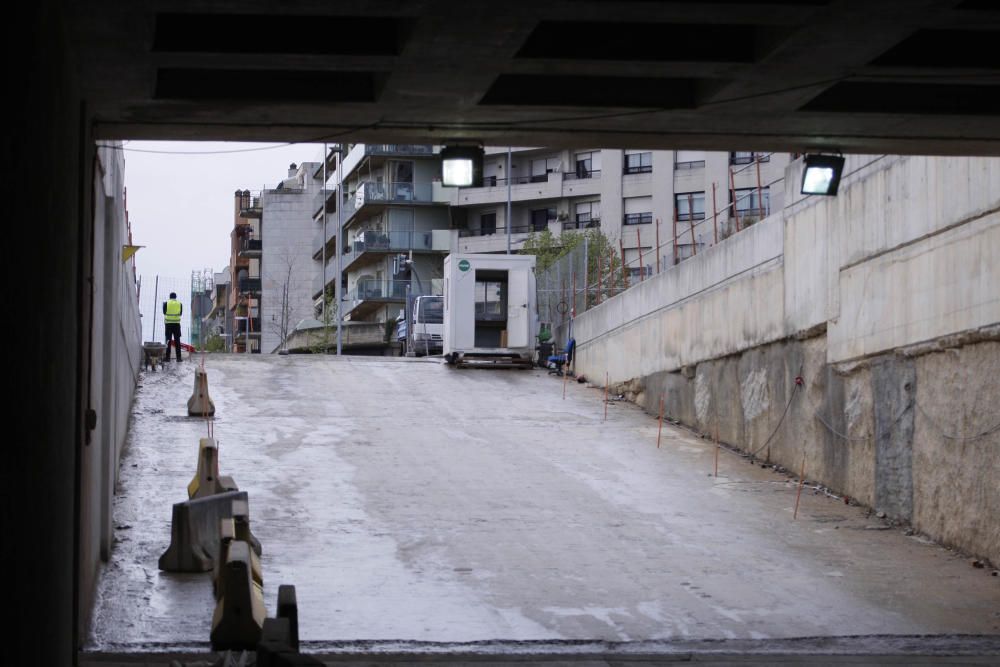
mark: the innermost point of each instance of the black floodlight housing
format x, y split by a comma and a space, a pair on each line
462, 166
821, 174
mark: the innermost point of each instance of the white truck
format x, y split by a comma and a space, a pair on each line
423, 333
489, 309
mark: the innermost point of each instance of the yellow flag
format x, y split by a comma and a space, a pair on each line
129, 250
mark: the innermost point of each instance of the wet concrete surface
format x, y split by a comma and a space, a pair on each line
409, 501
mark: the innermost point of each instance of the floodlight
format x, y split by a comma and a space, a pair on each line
461, 166
821, 174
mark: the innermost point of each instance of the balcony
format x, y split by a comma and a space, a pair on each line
376, 196
251, 248
401, 150
523, 188
249, 285
372, 244
250, 204
370, 293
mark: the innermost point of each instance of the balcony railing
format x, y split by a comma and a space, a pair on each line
378, 290
581, 174
371, 241
694, 164
249, 285
582, 224
490, 231
399, 149
251, 248
759, 213
385, 193
637, 218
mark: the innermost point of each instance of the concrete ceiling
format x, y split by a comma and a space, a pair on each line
859, 76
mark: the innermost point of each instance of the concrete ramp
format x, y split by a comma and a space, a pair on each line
411, 503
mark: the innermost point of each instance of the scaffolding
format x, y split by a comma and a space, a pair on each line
202, 297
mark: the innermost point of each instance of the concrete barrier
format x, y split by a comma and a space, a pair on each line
228, 534
194, 532
206, 481
279, 643
239, 614
288, 607
200, 404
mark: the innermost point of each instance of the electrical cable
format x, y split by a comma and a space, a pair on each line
315, 140
989, 431
795, 388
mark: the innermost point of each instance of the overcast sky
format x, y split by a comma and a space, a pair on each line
180, 203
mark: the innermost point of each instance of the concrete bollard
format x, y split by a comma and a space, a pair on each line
288, 607
194, 532
279, 642
241, 520
228, 534
207, 481
239, 613
200, 404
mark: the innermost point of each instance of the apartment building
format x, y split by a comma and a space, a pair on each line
243, 299
216, 322
637, 197
394, 227
270, 265
287, 235
397, 222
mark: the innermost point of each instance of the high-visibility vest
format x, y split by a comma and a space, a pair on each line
173, 315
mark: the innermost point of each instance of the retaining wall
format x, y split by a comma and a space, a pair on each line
885, 300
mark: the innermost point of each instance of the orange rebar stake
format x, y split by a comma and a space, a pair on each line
659, 431
717, 450
565, 375
606, 381
802, 478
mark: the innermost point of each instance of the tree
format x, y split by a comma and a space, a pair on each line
603, 273
327, 314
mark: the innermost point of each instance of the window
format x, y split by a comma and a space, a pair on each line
743, 157
587, 164
542, 167
638, 210
690, 205
488, 223
749, 203
689, 160
636, 273
638, 163
540, 218
587, 214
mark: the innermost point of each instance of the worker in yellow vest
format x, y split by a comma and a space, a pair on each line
172, 310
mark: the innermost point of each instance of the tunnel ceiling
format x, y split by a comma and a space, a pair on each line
879, 76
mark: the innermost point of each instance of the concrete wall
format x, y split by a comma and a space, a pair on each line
72, 344
115, 355
883, 300
46, 159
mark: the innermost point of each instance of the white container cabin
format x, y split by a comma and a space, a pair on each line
489, 309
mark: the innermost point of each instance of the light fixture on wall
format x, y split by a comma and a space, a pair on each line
821, 174
461, 166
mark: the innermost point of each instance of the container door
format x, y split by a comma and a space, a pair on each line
517, 309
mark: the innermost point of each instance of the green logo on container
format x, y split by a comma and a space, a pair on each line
464, 265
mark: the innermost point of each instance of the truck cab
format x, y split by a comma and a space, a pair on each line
423, 334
